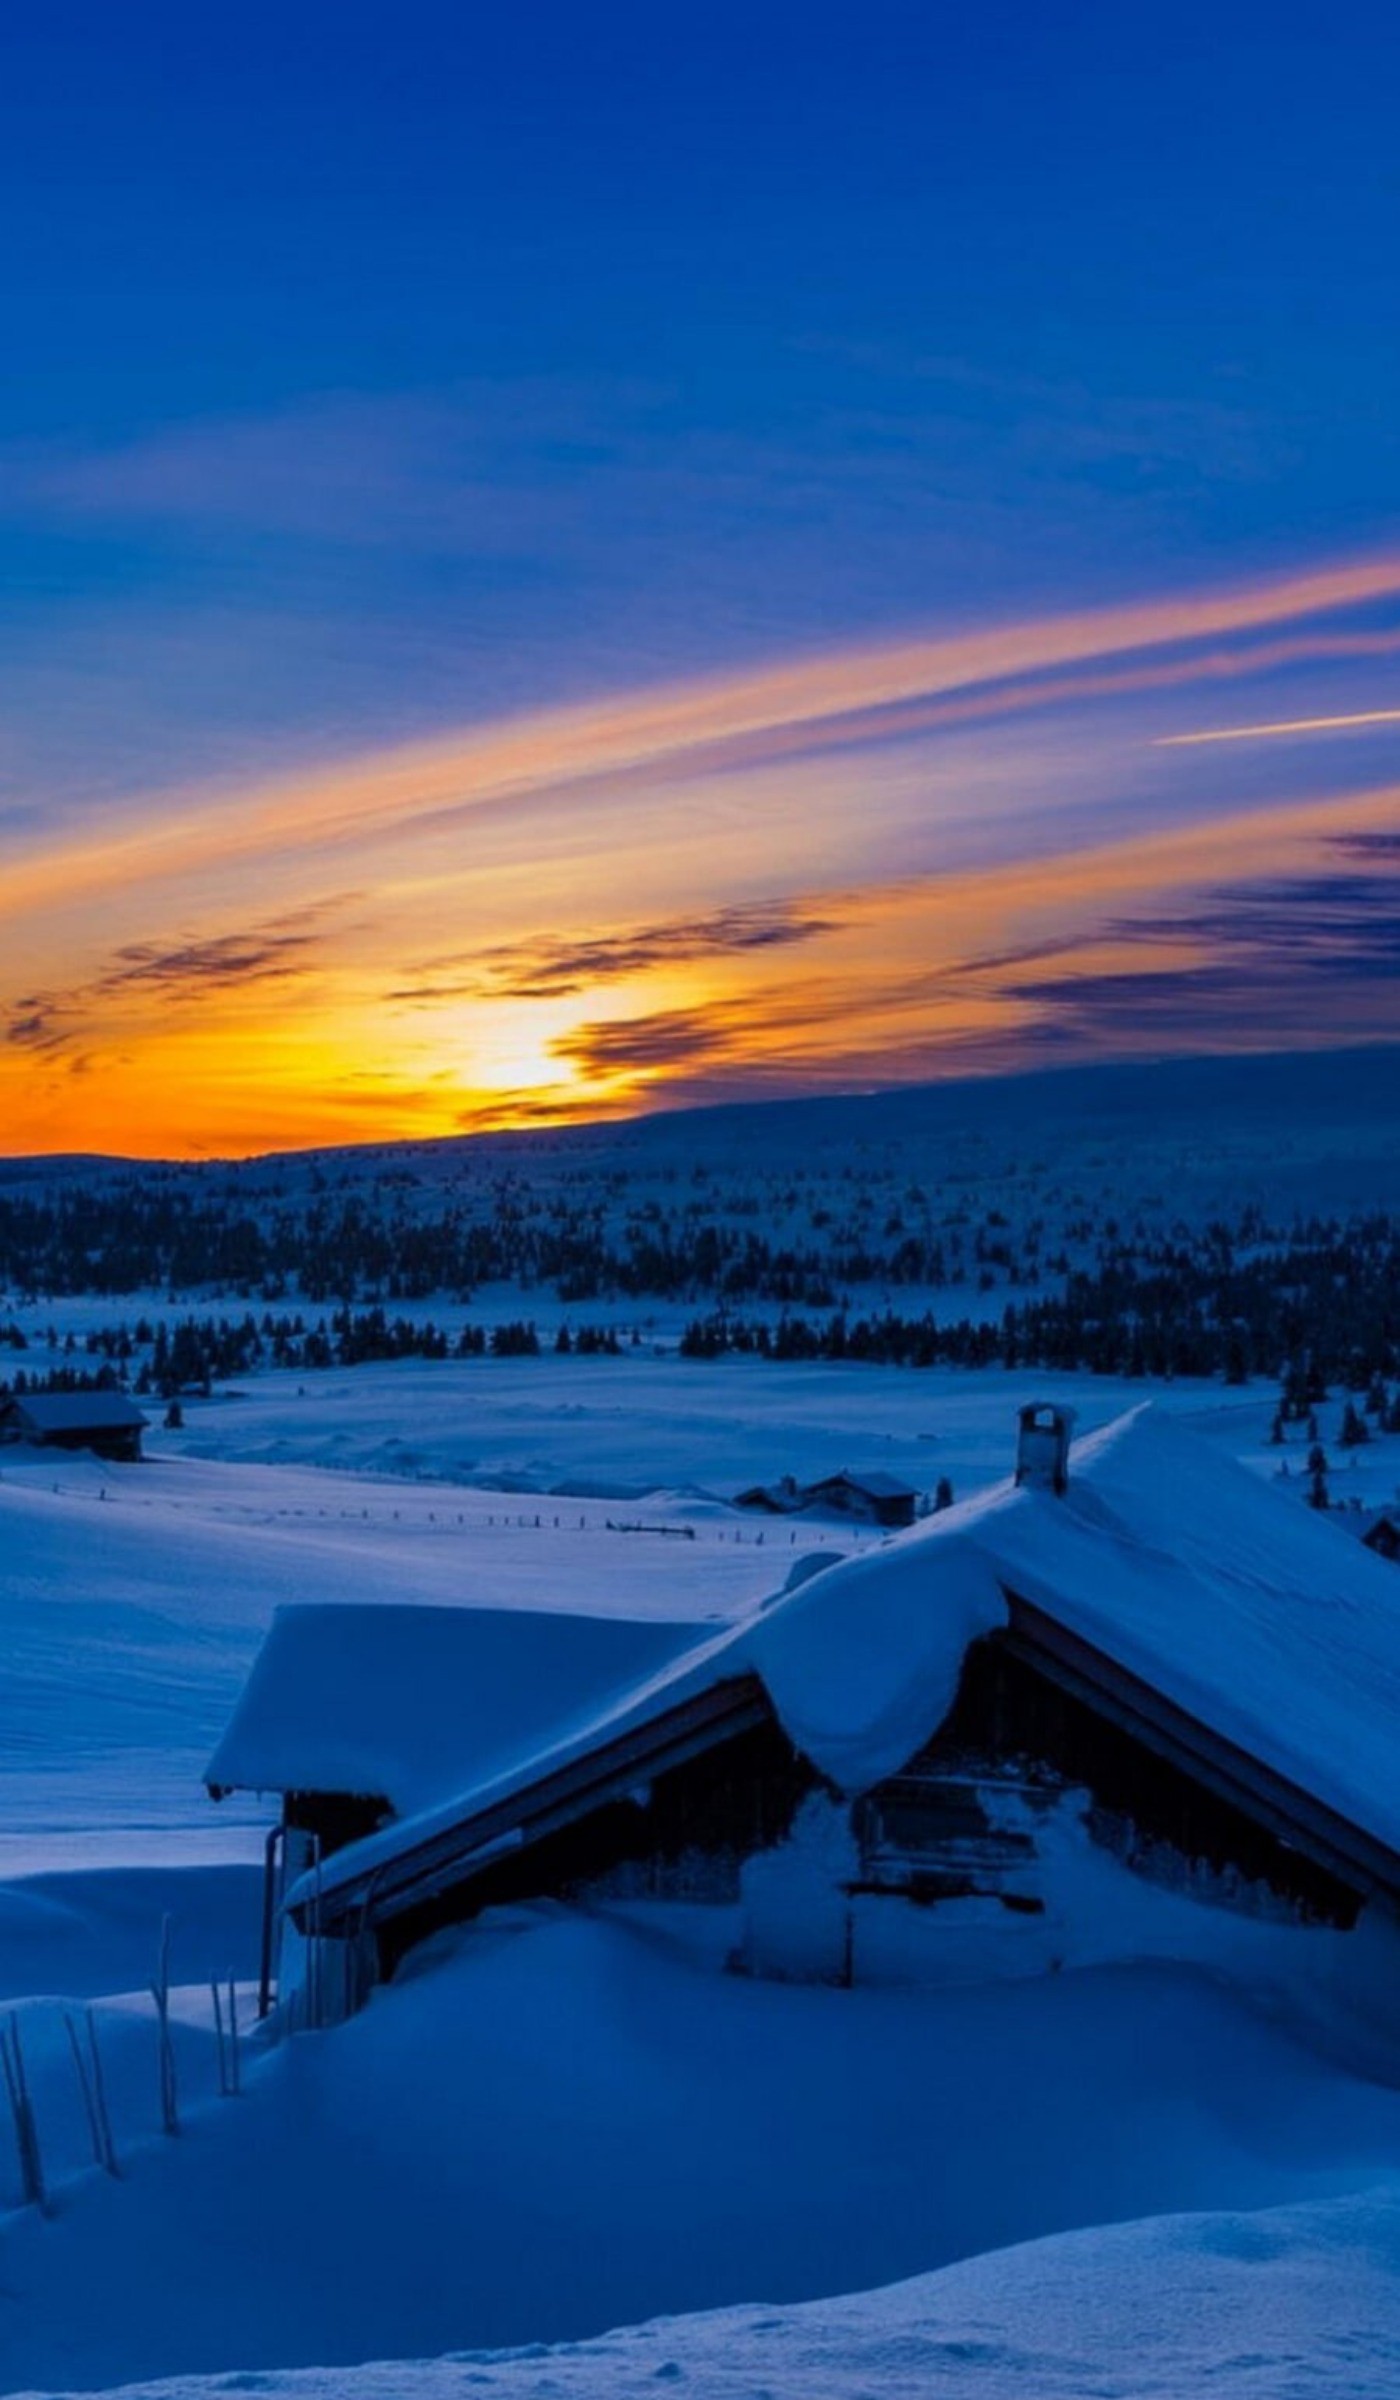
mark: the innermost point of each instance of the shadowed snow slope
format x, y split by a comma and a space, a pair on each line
83, 1932
133, 1601
566, 2123
1279, 2305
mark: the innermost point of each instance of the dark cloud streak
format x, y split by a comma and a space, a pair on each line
550, 969
180, 972
1302, 956
226, 962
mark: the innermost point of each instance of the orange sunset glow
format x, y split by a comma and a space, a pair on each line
943, 856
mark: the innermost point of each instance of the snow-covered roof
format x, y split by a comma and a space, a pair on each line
412, 1704
74, 1412
1243, 1608
1239, 1606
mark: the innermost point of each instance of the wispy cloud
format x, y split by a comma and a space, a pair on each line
178, 974
548, 967
1367, 845
1291, 958
868, 866
224, 962
1294, 958
36, 1022
431, 792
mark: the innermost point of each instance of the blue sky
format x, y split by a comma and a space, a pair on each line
372, 377
757, 326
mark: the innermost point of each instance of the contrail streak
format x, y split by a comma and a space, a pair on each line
1264, 733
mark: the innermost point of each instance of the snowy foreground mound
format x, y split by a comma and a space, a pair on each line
1269, 2306
567, 2123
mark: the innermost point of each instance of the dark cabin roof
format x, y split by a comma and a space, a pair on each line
74, 1412
1234, 1631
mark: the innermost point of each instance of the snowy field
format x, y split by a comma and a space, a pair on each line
1140, 2176
471, 2168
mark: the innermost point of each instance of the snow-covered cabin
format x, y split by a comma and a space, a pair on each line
357, 1716
874, 1498
107, 1423
1163, 1663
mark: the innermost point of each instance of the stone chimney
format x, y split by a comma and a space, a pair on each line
1042, 1445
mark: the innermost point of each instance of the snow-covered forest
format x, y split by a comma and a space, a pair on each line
1078, 1222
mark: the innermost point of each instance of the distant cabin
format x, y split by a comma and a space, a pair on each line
873, 1499
1137, 1655
107, 1423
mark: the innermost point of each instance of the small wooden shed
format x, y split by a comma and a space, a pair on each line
107, 1423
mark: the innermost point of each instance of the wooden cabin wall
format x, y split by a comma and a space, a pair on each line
1147, 1811
686, 1838
121, 1444
687, 1832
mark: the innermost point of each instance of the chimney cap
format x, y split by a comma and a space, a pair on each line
1042, 1444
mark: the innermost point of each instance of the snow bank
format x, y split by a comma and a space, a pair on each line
93, 1930
565, 2123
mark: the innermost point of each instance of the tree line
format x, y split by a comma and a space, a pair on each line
1327, 1306
159, 1360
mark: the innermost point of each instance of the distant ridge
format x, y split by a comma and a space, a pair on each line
1214, 1094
